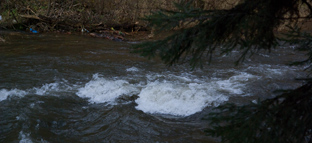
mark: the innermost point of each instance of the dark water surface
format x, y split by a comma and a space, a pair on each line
74, 88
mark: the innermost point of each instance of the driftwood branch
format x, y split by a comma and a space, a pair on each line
31, 17
39, 17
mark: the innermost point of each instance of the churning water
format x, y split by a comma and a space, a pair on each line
71, 88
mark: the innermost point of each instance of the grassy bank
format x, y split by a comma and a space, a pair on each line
93, 15
75, 15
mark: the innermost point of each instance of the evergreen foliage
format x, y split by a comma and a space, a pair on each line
249, 26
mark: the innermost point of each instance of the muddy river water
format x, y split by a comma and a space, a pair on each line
75, 88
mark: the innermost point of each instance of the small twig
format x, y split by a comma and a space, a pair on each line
2, 40
31, 10
71, 5
49, 8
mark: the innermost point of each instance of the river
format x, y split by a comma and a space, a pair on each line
75, 88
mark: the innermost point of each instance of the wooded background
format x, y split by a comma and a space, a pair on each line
48, 15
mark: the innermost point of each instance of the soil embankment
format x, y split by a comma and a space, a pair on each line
77, 15
89, 15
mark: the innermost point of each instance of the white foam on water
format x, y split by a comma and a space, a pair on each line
165, 93
269, 71
177, 99
101, 90
53, 88
132, 69
275, 71
24, 137
47, 88
43, 90
186, 95
4, 93
236, 83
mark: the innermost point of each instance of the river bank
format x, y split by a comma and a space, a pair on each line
79, 15
114, 20
89, 15
123, 17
